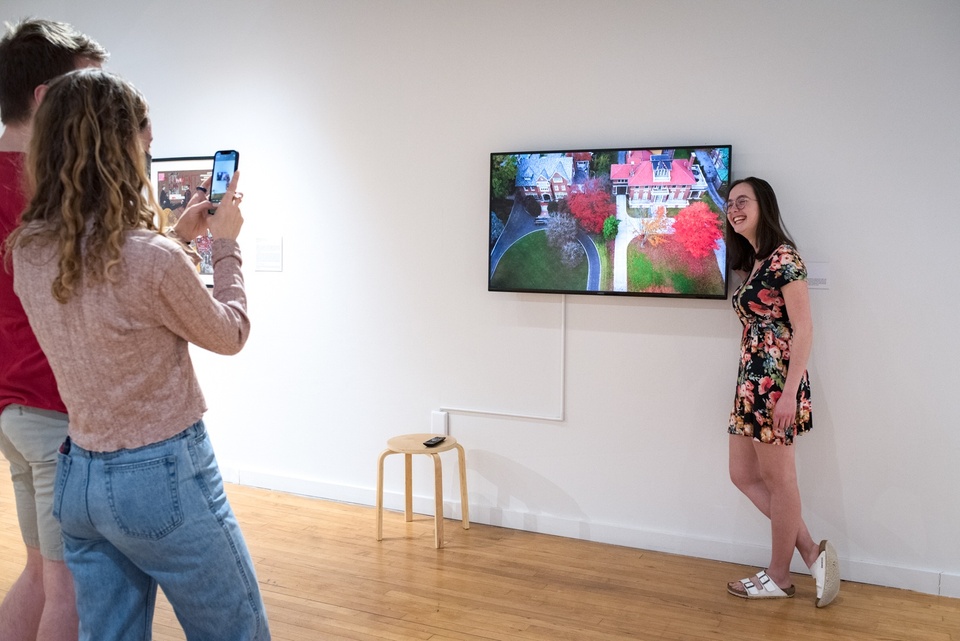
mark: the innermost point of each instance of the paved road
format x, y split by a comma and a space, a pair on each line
628, 229
710, 174
520, 223
593, 260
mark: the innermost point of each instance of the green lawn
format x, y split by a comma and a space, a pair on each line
531, 263
657, 269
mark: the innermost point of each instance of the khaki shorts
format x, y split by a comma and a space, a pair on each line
30, 438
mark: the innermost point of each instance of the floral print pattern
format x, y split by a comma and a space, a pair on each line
765, 350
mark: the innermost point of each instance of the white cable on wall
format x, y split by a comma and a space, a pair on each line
535, 417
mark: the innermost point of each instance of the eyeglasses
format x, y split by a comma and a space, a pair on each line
739, 203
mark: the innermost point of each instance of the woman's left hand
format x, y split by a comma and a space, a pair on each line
193, 221
784, 413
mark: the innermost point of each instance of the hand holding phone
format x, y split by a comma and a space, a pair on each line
225, 163
193, 221
228, 221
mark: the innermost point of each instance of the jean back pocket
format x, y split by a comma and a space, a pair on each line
144, 497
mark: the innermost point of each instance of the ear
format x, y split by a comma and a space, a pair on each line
38, 93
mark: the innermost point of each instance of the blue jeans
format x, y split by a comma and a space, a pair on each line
155, 515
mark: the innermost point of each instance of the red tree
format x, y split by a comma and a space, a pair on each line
591, 207
697, 228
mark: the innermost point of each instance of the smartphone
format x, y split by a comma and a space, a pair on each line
224, 164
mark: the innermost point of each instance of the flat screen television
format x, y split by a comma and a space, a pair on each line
633, 221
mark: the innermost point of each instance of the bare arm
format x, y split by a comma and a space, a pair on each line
796, 297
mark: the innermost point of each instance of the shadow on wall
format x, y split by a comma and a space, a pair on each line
523, 499
818, 466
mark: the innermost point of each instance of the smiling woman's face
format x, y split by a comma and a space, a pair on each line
743, 212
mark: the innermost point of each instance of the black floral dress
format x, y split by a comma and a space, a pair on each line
765, 350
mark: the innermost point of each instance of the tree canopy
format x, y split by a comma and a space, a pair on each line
592, 206
697, 228
503, 175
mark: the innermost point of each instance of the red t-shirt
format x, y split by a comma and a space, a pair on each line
25, 374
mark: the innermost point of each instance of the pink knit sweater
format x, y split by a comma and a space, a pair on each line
119, 350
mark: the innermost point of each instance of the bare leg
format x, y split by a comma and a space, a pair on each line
779, 472
59, 621
40, 605
22, 608
766, 474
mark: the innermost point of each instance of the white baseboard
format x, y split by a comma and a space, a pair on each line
925, 581
950, 585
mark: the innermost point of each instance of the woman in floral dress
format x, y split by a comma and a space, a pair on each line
772, 404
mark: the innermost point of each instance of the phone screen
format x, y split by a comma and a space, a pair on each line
224, 164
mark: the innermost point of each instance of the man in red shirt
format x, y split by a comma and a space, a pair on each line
33, 420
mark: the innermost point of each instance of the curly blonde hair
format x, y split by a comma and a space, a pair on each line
86, 171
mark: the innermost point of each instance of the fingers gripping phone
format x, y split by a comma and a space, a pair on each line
224, 164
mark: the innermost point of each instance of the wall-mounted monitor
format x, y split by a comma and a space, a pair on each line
635, 221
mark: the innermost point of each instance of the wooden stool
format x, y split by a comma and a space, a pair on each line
408, 445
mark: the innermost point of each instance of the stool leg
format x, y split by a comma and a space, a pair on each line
408, 487
438, 501
464, 506
383, 456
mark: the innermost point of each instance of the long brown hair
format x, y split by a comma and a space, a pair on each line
87, 173
770, 230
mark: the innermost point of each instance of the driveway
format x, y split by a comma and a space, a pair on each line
520, 223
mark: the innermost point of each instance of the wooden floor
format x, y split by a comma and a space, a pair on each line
324, 576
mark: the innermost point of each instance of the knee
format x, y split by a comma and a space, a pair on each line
33, 570
57, 581
743, 479
779, 483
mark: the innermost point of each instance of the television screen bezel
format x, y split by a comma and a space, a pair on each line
596, 150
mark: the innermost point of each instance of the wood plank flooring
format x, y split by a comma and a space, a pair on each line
324, 576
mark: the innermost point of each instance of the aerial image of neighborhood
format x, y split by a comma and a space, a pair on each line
630, 221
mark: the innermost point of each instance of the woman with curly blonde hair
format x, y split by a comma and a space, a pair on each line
114, 304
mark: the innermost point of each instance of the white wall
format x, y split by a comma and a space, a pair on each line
365, 129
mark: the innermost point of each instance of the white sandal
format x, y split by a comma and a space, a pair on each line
767, 590
826, 572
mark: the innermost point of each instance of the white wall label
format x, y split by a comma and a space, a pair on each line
818, 275
270, 254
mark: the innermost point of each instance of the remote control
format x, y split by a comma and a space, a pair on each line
435, 441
